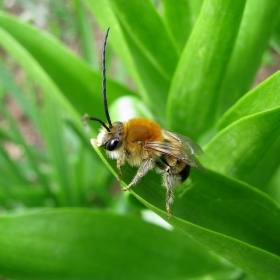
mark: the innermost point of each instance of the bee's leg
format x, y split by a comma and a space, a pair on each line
120, 162
168, 184
169, 193
146, 165
120, 172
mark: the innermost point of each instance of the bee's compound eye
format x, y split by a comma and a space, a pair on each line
112, 144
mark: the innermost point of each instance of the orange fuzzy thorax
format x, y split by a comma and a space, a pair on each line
140, 129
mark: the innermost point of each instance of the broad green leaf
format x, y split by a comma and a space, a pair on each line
86, 244
193, 94
78, 84
238, 149
232, 218
266, 167
179, 21
255, 30
263, 97
151, 36
257, 263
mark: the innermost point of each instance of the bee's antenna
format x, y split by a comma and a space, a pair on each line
104, 80
87, 117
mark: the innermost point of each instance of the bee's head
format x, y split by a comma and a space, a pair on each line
110, 136
111, 140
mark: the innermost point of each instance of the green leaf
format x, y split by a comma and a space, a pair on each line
233, 219
256, 28
275, 38
153, 81
263, 97
84, 244
30, 109
13, 89
273, 188
195, 7
193, 93
255, 262
57, 152
133, 46
60, 166
26, 195
179, 21
151, 36
105, 17
238, 149
78, 84
11, 169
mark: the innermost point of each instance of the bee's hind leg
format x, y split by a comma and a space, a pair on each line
146, 165
168, 184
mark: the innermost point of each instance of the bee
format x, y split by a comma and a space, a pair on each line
143, 143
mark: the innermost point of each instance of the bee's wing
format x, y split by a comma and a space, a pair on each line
183, 149
186, 141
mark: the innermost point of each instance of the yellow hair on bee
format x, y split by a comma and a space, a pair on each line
139, 129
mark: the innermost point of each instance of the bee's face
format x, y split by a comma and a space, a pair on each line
112, 140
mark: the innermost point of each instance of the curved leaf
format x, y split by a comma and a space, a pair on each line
34, 69
85, 244
151, 36
263, 97
76, 81
213, 208
239, 149
208, 200
193, 93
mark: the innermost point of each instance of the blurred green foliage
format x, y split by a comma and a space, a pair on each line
187, 64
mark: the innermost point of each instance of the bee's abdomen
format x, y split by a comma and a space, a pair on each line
179, 169
184, 173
